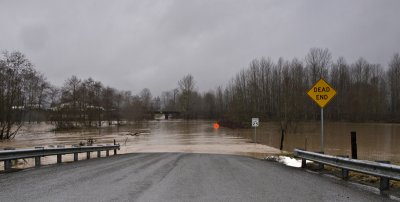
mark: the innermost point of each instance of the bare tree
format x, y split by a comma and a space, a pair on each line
341, 81
156, 104
14, 68
318, 61
187, 87
70, 91
393, 75
109, 97
209, 105
146, 98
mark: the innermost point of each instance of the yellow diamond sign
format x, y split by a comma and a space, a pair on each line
322, 93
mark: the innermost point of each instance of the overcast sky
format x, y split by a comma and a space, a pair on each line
131, 45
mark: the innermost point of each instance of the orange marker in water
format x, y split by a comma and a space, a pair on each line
216, 125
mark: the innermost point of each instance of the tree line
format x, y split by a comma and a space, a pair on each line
277, 90
27, 96
270, 90
88, 103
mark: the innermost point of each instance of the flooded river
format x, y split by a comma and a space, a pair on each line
149, 136
374, 141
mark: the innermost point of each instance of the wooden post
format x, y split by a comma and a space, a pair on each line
115, 151
353, 144
59, 158
305, 144
282, 139
87, 155
75, 156
37, 161
7, 165
98, 154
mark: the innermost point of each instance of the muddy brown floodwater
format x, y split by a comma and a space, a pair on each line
375, 141
153, 136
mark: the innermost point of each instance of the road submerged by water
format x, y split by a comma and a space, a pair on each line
175, 177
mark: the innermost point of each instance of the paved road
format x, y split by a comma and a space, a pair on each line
175, 177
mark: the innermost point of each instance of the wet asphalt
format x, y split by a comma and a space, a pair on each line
175, 177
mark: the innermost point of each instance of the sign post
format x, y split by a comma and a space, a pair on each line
322, 130
255, 122
322, 93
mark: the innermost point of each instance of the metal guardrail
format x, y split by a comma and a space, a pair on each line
383, 170
38, 152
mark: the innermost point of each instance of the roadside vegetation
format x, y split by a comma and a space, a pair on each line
268, 89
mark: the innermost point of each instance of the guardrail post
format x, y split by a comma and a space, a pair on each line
345, 174
98, 154
107, 152
320, 165
37, 158
59, 158
75, 156
384, 183
88, 155
353, 144
7, 165
37, 161
303, 163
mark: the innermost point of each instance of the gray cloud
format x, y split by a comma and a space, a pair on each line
135, 44
34, 37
